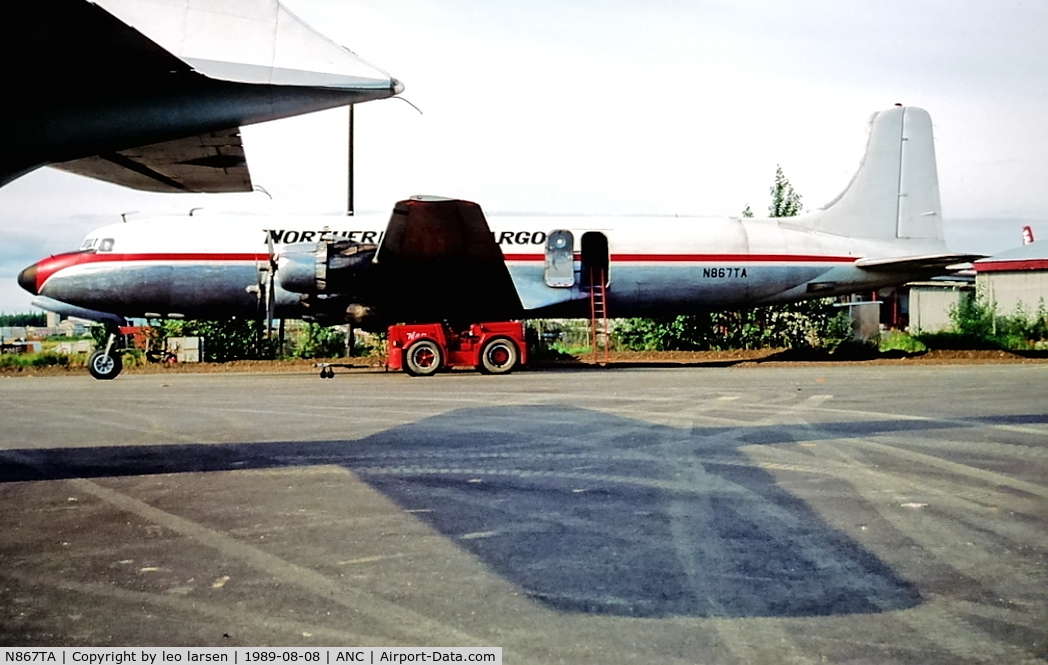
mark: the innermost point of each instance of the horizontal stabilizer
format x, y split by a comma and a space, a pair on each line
929, 262
212, 162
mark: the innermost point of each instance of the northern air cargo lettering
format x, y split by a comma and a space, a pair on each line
289, 236
520, 237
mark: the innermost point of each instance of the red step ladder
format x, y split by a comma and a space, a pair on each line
598, 317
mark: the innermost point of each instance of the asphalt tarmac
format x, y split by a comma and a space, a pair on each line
749, 514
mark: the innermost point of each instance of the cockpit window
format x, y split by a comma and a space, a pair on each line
106, 246
89, 243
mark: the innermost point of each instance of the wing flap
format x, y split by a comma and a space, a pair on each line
211, 162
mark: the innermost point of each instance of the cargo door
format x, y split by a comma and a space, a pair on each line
560, 260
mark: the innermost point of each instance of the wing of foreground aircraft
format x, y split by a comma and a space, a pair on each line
212, 162
151, 94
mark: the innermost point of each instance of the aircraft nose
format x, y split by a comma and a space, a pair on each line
27, 280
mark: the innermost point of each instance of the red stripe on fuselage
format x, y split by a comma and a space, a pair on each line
49, 266
703, 258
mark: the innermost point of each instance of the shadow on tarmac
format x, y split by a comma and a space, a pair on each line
584, 511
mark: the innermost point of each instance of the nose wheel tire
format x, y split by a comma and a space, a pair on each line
499, 356
104, 366
423, 358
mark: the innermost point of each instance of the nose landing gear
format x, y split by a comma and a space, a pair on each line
105, 364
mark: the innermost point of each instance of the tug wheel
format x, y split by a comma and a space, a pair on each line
499, 356
423, 358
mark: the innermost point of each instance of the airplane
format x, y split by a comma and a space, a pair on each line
437, 259
151, 95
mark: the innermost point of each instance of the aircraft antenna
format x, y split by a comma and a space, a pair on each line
350, 204
409, 104
349, 172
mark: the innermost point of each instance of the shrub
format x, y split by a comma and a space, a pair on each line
976, 325
812, 324
20, 361
896, 340
317, 341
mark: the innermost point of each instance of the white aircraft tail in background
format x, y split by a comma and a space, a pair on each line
895, 193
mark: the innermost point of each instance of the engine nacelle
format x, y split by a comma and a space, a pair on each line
325, 268
336, 311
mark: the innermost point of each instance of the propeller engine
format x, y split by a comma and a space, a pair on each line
332, 278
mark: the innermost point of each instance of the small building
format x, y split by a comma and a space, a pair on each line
80, 346
931, 304
13, 333
185, 349
1016, 280
865, 318
73, 327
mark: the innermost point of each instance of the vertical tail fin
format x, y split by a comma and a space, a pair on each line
895, 192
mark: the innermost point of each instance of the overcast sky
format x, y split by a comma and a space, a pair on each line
619, 107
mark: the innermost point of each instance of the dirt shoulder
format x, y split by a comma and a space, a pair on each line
808, 356
769, 357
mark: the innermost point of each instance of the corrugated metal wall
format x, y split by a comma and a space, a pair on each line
1010, 290
930, 307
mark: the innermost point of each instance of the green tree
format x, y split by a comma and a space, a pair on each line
225, 339
785, 202
688, 332
318, 341
20, 320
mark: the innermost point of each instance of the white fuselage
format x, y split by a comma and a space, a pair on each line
885, 228
206, 266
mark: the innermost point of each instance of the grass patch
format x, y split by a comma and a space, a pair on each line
897, 340
22, 361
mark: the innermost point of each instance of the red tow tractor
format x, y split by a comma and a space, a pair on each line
425, 349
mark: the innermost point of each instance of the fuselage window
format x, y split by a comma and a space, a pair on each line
106, 246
